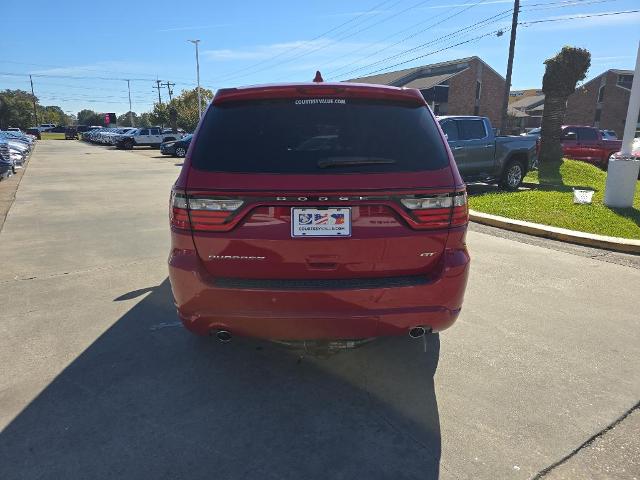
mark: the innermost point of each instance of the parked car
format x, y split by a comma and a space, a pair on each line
176, 148
70, 133
14, 129
360, 234
534, 132
588, 145
35, 131
608, 135
7, 167
45, 127
483, 157
145, 137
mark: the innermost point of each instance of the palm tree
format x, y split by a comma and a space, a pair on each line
561, 75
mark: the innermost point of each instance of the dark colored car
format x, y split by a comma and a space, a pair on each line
70, 133
318, 212
35, 131
58, 129
177, 148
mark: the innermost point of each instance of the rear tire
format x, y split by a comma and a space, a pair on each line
512, 176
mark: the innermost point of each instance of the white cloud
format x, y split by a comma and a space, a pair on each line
321, 47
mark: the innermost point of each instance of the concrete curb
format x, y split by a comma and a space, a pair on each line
581, 238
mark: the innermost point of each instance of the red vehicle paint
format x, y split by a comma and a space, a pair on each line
586, 144
270, 165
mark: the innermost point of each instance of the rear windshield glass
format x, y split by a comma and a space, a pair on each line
324, 136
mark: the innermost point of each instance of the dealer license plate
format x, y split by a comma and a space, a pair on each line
321, 222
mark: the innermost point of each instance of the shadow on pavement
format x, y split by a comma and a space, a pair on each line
149, 400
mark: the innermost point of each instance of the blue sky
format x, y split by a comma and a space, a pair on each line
80, 54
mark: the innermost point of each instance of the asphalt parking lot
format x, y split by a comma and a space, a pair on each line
98, 379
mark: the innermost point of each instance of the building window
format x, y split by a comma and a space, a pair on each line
625, 81
601, 94
478, 89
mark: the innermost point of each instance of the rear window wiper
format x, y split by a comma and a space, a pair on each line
330, 162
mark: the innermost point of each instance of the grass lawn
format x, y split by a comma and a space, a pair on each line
551, 202
52, 136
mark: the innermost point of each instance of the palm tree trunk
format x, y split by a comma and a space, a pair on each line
552, 120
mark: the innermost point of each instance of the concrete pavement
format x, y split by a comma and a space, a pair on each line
98, 380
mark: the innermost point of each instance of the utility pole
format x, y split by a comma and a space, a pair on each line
130, 112
507, 85
169, 89
196, 42
158, 87
33, 97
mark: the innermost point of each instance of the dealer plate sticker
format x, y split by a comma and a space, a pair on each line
321, 222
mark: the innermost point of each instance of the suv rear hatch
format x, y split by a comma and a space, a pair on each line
349, 185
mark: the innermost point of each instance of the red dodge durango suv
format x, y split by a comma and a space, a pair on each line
318, 211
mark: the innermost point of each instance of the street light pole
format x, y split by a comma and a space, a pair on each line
130, 112
622, 172
196, 42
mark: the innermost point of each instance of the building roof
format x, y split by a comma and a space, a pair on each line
516, 113
527, 103
423, 77
429, 81
612, 70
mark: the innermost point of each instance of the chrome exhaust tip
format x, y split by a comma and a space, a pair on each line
417, 332
223, 336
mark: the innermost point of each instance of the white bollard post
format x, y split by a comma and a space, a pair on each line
623, 169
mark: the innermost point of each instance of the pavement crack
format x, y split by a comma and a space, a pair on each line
586, 443
76, 272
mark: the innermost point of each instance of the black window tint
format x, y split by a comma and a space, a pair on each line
144, 132
450, 128
471, 129
587, 134
282, 136
154, 131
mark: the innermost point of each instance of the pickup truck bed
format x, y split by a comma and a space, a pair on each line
483, 157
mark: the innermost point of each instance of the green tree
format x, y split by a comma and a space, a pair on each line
144, 120
16, 109
124, 120
561, 75
89, 117
53, 114
160, 114
186, 105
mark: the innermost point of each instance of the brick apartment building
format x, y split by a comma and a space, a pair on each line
525, 108
602, 102
467, 86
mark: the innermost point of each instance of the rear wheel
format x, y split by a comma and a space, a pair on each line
512, 175
181, 152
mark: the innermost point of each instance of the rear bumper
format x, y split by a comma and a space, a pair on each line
206, 304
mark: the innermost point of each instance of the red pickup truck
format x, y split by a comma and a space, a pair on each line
587, 144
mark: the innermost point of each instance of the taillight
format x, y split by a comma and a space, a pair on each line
178, 215
438, 211
202, 213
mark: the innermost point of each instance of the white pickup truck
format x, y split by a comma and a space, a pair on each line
145, 137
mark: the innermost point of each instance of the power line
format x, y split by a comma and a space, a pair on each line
493, 32
605, 14
286, 52
475, 26
332, 41
459, 12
